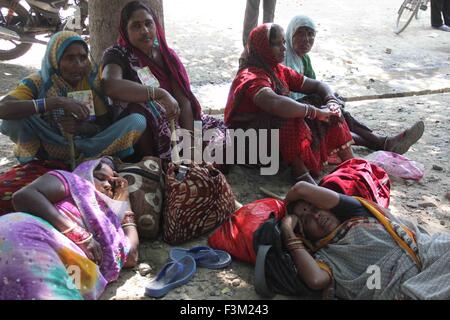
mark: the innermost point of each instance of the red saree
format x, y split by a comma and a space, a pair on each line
310, 140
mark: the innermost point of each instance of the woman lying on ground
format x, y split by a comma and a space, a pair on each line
39, 116
357, 250
71, 235
300, 36
143, 75
259, 99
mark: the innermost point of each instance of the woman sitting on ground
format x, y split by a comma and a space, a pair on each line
143, 75
40, 118
357, 250
300, 36
71, 235
259, 99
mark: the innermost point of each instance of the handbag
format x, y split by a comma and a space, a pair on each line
146, 191
198, 199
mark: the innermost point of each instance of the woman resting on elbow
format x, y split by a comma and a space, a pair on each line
143, 75
70, 236
39, 117
259, 99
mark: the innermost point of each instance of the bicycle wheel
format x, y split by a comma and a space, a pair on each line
406, 12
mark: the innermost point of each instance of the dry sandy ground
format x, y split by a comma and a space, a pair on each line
351, 54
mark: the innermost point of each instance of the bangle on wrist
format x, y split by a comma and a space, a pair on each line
89, 238
41, 105
329, 97
125, 225
78, 235
69, 229
35, 106
128, 218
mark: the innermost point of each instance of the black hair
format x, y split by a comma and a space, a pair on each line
273, 33
105, 160
129, 9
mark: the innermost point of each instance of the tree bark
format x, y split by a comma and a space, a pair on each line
104, 18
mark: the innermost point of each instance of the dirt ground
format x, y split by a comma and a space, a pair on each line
358, 54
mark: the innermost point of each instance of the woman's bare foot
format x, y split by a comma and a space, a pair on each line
402, 142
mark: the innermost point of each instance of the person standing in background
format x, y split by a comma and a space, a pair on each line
252, 14
439, 8
251, 20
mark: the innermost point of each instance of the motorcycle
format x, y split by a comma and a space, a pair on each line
20, 26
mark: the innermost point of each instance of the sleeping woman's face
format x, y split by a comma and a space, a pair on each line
103, 179
315, 223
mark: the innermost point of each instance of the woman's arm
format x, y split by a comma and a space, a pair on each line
38, 198
186, 112
117, 88
320, 197
285, 107
128, 222
307, 268
318, 87
133, 238
14, 109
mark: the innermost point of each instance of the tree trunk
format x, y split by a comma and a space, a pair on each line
104, 18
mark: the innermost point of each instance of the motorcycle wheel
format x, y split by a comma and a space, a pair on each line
20, 17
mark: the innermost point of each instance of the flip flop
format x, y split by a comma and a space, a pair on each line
174, 274
410, 136
204, 256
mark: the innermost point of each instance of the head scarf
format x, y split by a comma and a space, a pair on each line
292, 60
261, 62
52, 82
173, 63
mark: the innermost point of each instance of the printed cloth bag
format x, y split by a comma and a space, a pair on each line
146, 189
196, 201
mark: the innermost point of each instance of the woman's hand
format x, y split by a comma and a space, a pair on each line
326, 114
169, 103
288, 225
93, 251
133, 258
120, 187
74, 108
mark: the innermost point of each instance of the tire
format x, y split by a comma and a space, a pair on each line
407, 11
21, 48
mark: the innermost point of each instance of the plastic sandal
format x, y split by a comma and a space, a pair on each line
204, 256
174, 274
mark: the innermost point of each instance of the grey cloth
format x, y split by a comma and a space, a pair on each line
368, 244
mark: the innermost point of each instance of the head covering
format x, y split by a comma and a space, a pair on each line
52, 82
259, 46
174, 65
300, 64
292, 60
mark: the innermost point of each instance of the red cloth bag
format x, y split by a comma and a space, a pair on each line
21, 175
359, 177
235, 235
